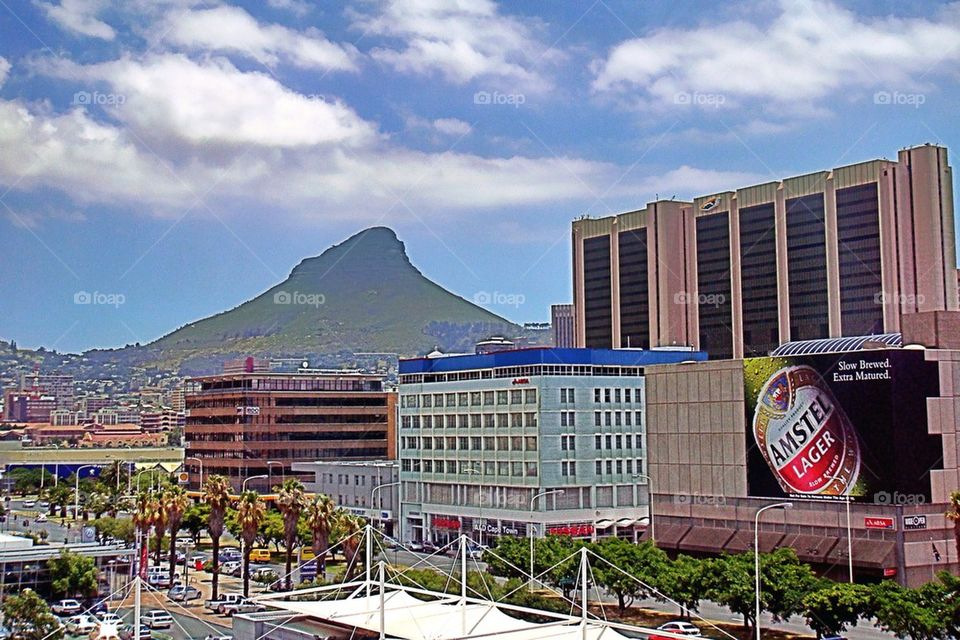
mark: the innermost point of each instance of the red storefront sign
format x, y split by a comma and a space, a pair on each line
878, 523
889, 573
521, 381
446, 523
572, 530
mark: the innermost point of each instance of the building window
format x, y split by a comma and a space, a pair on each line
598, 442
516, 419
618, 418
427, 400
598, 467
503, 468
626, 396
619, 466
531, 469
596, 395
608, 441
489, 443
488, 397
606, 395
629, 440
503, 443
530, 419
629, 466
639, 418
503, 420
568, 443
501, 397
530, 443
609, 467
451, 399
516, 469
627, 418
608, 418
475, 399
516, 396
474, 420
463, 399
596, 419
619, 441
616, 395
476, 443
568, 468
530, 396
488, 420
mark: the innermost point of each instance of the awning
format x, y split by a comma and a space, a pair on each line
668, 536
876, 554
743, 541
810, 548
706, 539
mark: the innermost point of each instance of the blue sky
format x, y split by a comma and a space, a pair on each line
177, 157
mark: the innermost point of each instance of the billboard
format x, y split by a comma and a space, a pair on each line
833, 426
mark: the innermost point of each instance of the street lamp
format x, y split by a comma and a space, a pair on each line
471, 470
756, 553
199, 460
270, 471
76, 491
246, 480
373, 492
533, 500
641, 476
140, 475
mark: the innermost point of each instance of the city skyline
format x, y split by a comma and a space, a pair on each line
478, 134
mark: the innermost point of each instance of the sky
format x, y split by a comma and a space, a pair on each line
164, 160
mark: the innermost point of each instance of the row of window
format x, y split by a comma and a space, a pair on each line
617, 418
470, 443
473, 420
502, 469
523, 372
611, 441
469, 399
609, 467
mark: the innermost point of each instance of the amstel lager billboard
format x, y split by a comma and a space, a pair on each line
829, 426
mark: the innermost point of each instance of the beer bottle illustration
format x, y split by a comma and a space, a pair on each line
806, 438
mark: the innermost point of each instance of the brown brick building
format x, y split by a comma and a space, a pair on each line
237, 422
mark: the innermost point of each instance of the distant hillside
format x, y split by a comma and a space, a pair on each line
360, 295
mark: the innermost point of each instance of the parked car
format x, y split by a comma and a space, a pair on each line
181, 593
127, 632
231, 568
66, 608
262, 574
216, 637
80, 625
682, 628
157, 619
43, 504
41, 517
260, 555
198, 557
217, 605
29, 504
230, 554
475, 552
242, 606
416, 547
110, 618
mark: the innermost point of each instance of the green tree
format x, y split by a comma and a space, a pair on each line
250, 513
195, 520
729, 581
216, 494
99, 503
72, 575
174, 503
291, 501
953, 515
320, 519
835, 606
121, 529
59, 497
785, 581
630, 570
909, 613
683, 582
28, 617
349, 527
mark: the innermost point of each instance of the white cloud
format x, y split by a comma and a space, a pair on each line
4, 70
439, 128
212, 102
808, 51
462, 40
79, 16
452, 126
232, 30
296, 7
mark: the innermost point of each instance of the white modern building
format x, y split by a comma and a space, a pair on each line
552, 439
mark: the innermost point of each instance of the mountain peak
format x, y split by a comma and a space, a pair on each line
376, 249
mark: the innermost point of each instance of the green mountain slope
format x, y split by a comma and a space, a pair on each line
360, 295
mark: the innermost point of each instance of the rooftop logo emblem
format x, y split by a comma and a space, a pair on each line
710, 203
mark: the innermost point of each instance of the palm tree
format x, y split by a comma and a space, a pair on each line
175, 502
250, 513
159, 524
321, 514
291, 500
350, 526
143, 513
216, 493
954, 516
60, 496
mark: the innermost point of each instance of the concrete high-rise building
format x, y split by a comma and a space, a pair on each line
561, 323
57, 385
238, 422
481, 436
842, 252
